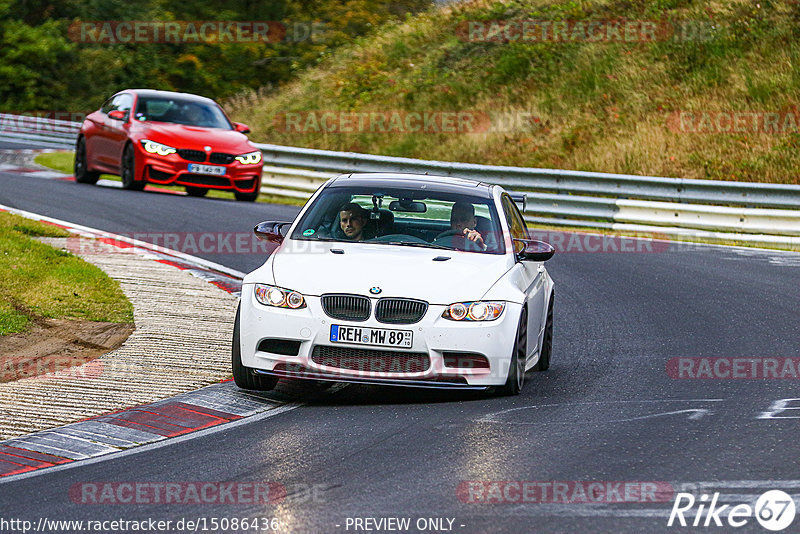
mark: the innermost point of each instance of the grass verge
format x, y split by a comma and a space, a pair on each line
41, 281
58, 161
568, 103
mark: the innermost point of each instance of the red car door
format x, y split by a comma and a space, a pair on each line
97, 148
116, 131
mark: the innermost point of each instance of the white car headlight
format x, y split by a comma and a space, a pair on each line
252, 158
279, 297
157, 148
474, 311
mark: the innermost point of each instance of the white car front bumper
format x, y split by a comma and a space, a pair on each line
302, 330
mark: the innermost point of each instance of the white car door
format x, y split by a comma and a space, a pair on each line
533, 277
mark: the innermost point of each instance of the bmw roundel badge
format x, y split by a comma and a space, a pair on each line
375, 290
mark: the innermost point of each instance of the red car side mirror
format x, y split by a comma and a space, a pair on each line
118, 115
243, 128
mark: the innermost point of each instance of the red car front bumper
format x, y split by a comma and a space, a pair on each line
174, 170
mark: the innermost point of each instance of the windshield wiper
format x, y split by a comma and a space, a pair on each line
413, 244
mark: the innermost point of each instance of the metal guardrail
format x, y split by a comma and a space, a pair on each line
671, 206
46, 133
742, 211
768, 227
550, 180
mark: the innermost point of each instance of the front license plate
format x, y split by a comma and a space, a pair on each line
207, 169
371, 336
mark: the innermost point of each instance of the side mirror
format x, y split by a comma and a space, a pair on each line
118, 115
532, 250
243, 128
271, 231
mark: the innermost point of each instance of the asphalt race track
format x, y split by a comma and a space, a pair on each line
607, 411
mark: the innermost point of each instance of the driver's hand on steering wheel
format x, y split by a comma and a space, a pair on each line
475, 236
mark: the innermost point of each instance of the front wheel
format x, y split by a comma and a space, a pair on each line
244, 377
129, 171
516, 369
81, 167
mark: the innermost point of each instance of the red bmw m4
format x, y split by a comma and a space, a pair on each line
160, 137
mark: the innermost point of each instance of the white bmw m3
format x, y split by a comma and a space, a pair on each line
398, 279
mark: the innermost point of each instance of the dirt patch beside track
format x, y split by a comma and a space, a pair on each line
57, 346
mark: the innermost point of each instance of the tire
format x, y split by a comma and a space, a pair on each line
547, 341
81, 167
516, 370
196, 191
244, 377
129, 171
246, 197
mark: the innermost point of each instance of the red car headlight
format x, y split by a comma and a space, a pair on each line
157, 148
251, 158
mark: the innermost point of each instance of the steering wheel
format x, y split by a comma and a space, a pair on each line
458, 240
449, 233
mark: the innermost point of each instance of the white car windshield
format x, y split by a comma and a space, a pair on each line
426, 219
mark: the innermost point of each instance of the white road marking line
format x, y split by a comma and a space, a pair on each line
697, 413
493, 417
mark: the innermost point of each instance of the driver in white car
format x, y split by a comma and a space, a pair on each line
462, 218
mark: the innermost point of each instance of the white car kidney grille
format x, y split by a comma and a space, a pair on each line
400, 311
371, 360
346, 307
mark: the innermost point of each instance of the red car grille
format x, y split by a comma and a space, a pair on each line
371, 360
221, 158
192, 155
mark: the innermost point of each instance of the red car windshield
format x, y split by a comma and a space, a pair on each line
178, 111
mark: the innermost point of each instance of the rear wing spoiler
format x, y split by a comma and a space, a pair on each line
520, 199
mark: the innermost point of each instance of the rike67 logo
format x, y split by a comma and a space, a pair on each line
774, 510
